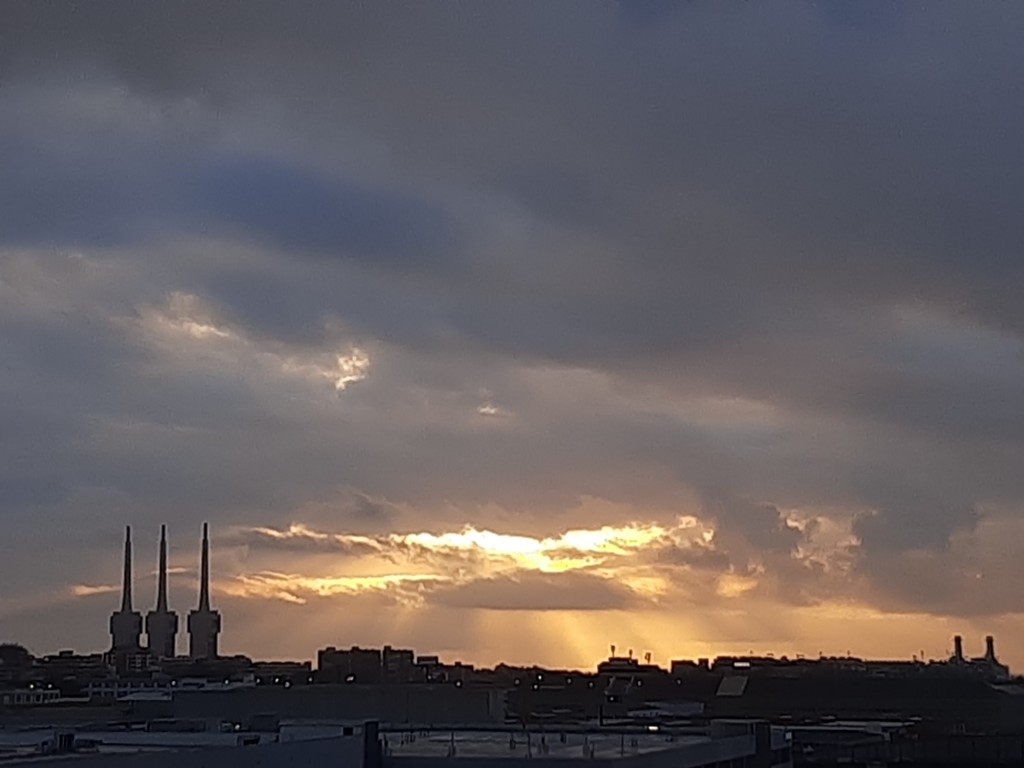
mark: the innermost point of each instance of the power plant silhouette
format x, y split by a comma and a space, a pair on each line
162, 623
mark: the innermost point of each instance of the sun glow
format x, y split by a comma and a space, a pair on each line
574, 549
404, 562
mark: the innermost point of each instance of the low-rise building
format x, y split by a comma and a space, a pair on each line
284, 673
32, 696
354, 665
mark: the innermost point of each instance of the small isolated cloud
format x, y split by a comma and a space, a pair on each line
492, 411
87, 590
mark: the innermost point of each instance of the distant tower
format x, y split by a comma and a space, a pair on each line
126, 624
162, 623
990, 648
203, 623
958, 649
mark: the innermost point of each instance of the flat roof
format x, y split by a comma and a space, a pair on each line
551, 743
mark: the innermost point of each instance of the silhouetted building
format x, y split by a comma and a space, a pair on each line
988, 665
16, 663
204, 623
681, 667
626, 667
428, 668
162, 623
284, 673
140, 663
355, 665
126, 624
28, 697
70, 672
399, 665
220, 668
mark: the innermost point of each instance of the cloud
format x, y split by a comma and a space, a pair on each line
299, 538
300, 211
295, 588
686, 564
571, 550
506, 296
85, 590
186, 327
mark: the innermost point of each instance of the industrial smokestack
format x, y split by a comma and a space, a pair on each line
204, 623
126, 624
161, 588
990, 648
162, 623
204, 575
958, 648
126, 586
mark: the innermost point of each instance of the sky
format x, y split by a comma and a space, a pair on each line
515, 331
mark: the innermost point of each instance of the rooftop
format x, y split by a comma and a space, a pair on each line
554, 744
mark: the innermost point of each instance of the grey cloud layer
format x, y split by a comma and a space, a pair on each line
739, 260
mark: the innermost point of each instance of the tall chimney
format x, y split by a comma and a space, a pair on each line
203, 623
204, 574
161, 589
958, 648
126, 587
126, 624
990, 648
162, 623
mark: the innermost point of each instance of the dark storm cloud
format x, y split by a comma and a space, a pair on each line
111, 189
922, 521
615, 226
693, 557
300, 211
763, 527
